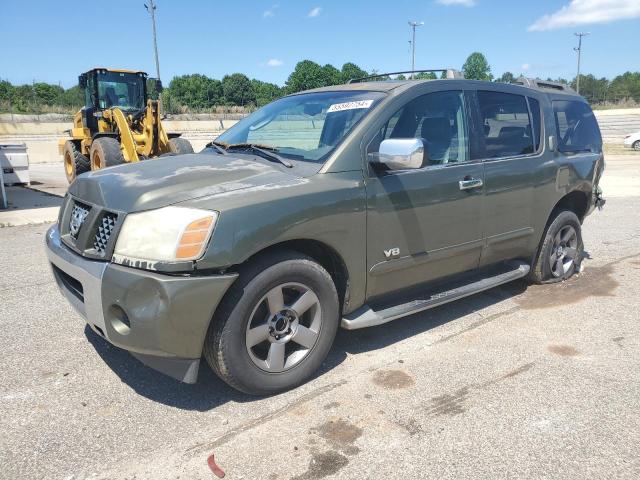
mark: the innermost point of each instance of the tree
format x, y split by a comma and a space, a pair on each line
625, 86
331, 75
72, 98
592, 88
507, 77
265, 92
305, 75
425, 76
46, 94
401, 77
351, 71
6, 91
195, 91
477, 67
237, 90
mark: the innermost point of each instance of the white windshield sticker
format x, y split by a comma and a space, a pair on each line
339, 107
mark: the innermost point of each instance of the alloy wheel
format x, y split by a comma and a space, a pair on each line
284, 327
564, 252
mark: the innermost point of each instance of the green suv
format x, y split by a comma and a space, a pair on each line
350, 206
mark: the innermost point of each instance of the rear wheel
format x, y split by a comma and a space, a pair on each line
180, 145
75, 163
275, 326
105, 152
636, 145
560, 253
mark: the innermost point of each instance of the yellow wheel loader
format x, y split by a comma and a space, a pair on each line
119, 123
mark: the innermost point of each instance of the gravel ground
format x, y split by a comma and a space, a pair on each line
518, 382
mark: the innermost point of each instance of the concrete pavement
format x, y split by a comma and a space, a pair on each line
523, 382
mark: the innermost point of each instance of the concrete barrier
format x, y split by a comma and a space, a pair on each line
41, 138
615, 124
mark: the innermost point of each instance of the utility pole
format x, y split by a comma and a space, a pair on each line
413, 26
151, 8
579, 50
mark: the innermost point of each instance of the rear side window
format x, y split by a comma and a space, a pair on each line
576, 126
506, 124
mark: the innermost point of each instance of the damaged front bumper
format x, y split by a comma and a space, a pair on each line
598, 199
160, 319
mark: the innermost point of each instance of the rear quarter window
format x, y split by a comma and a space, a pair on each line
576, 127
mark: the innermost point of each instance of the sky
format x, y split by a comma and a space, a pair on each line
56, 41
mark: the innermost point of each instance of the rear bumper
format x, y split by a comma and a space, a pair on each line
161, 319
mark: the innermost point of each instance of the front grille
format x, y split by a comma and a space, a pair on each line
88, 229
105, 228
78, 216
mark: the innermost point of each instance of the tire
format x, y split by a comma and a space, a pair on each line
249, 361
179, 146
75, 163
560, 253
636, 145
105, 152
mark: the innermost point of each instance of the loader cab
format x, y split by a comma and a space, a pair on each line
105, 89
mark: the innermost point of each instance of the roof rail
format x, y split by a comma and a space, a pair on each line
542, 84
450, 72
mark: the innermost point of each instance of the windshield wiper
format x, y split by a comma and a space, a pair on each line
263, 150
219, 147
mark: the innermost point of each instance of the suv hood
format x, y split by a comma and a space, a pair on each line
165, 181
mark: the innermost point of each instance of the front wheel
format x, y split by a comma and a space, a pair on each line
105, 152
560, 253
74, 162
636, 145
275, 326
180, 146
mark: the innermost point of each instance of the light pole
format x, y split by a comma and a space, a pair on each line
413, 26
579, 50
151, 8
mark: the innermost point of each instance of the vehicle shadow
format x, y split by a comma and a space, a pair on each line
382, 336
210, 392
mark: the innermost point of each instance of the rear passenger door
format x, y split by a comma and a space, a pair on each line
510, 146
424, 223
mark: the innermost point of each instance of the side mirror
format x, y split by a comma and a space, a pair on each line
82, 81
159, 86
401, 153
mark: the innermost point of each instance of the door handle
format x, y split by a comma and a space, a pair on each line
470, 183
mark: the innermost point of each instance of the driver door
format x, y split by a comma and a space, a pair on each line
425, 223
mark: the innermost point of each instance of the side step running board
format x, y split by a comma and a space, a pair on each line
366, 317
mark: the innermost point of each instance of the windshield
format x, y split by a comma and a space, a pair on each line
119, 89
303, 127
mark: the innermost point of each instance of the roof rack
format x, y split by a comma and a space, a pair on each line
542, 84
450, 72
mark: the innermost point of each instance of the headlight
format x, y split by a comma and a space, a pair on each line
166, 234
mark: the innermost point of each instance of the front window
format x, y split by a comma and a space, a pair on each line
304, 127
122, 90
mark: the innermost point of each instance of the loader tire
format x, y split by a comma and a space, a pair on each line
179, 146
105, 152
75, 163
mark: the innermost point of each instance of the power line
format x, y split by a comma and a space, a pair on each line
413, 26
151, 8
579, 50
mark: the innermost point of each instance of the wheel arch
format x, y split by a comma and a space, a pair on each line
576, 201
327, 256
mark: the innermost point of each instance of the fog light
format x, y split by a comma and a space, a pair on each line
119, 320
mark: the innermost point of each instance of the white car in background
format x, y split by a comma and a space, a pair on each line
633, 141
